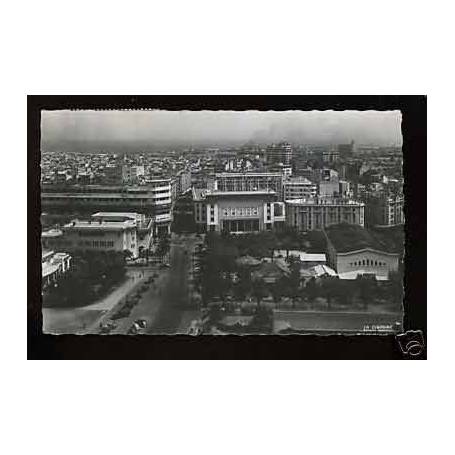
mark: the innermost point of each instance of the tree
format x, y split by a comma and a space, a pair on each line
294, 277
331, 287
367, 288
244, 284
395, 287
259, 291
311, 289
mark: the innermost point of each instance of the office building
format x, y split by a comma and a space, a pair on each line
346, 150
249, 181
385, 210
299, 188
318, 213
279, 153
154, 200
102, 235
237, 211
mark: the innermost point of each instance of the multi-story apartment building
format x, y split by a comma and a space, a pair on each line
330, 156
299, 188
318, 213
249, 181
279, 153
385, 210
237, 211
153, 199
346, 150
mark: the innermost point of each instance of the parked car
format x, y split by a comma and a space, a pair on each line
107, 326
142, 323
134, 329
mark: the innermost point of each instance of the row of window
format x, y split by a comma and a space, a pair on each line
241, 211
97, 243
368, 263
106, 199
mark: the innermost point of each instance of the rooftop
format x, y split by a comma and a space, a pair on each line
302, 255
240, 193
319, 201
51, 233
247, 174
100, 225
352, 237
130, 215
298, 181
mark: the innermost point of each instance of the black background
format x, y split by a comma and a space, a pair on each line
414, 129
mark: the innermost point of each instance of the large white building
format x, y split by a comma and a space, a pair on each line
153, 199
318, 213
237, 211
53, 266
104, 231
102, 235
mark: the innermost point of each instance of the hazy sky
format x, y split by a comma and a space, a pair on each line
63, 128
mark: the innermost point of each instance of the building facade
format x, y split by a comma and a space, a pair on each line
385, 210
351, 250
299, 188
238, 211
102, 236
154, 200
279, 153
53, 266
318, 213
249, 181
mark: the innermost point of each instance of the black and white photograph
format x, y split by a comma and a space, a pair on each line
227, 227
213, 222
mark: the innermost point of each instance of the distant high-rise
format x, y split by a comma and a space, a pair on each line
345, 150
279, 153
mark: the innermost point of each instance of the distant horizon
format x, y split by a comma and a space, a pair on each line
92, 131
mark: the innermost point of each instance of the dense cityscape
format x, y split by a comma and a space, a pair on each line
262, 238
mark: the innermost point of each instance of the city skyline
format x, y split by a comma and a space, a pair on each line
91, 130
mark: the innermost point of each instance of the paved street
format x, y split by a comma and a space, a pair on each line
175, 293
82, 319
164, 306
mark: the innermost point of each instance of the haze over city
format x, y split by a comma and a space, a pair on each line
88, 130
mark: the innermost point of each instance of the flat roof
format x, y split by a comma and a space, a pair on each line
52, 233
298, 181
248, 174
304, 257
132, 215
105, 225
240, 193
323, 202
